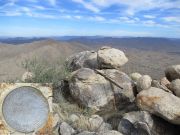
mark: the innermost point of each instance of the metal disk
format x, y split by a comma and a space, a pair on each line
25, 109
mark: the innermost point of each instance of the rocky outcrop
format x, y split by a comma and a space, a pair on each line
90, 89
136, 123
144, 83
97, 89
144, 123
112, 103
173, 72
86, 59
111, 58
160, 103
121, 85
175, 87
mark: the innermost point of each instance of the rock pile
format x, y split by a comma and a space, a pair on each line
142, 106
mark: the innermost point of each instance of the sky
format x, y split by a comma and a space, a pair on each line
137, 18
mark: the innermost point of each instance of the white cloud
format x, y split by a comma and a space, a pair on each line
128, 33
66, 16
13, 13
149, 16
78, 17
87, 5
132, 7
172, 19
52, 2
39, 7
97, 18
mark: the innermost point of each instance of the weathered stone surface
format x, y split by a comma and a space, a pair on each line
175, 87
160, 103
90, 89
164, 81
144, 83
27, 76
66, 129
125, 95
110, 132
86, 59
157, 84
73, 117
98, 125
143, 123
56, 120
135, 76
136, 123
111, 58
87, 133
173, 72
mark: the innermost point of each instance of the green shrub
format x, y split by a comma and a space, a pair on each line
44, 71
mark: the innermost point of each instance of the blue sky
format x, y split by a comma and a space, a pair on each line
155, 18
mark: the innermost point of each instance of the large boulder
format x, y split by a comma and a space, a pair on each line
175, 87
173, 72
86, 59
122, 87
111, 58
90, 89
160, 103
143, 123
144, 83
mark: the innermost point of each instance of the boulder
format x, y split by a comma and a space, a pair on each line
90, 89
175, 87
135, 76
144, 83
111, 58
173, 72
66, 129
143, 123
86, 59
160, 103
123, 88
136, 123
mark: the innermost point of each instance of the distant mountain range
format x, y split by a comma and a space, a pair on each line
143, 43
146, 55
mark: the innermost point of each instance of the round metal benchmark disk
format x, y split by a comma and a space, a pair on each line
25, 109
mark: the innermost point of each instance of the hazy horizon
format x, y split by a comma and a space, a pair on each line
35, 18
